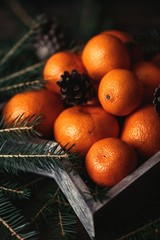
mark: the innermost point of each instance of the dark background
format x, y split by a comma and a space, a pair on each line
83, 17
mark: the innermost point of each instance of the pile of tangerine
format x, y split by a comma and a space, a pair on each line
119, 130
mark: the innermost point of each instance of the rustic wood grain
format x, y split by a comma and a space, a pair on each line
124, 200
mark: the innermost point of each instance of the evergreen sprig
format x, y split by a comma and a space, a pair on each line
147, 232
7, 91
20, 128
64, 220
31, 69
30, 157
20, 69
42, 209
20, 12
12, 223
14, 190
50, 209
66, 217
21, 44
21, 80
98, 193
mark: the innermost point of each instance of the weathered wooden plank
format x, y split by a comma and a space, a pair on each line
121, 202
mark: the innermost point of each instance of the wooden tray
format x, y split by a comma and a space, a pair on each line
120, 204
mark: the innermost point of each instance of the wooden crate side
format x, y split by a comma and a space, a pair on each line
75, 195
127, 199
128, 194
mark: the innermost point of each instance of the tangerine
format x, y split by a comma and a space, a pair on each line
132, 46
57, 64
102, 53
123, 36
38, 102
120, 92
83, 125
141, 130
110, 160
149, 74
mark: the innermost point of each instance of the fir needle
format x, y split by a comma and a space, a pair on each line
21, 72
20, 12
21, 41
16, 46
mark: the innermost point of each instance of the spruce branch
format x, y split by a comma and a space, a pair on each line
13, 233
14, 190
11, 190
50, 208
20, 128
31, 157
40, 212
98, 193
144, 232
33, 182
63, 218
12, 222
16, 46
36, 23
19, 87
14, 162
66, 219
45, 206
21, 13
20, 81
61, 223
21, 72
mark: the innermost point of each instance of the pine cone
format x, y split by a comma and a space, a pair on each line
156, 100
76, 88
49, 38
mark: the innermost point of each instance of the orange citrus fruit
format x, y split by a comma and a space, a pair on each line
120, 92
149, 74
84, 125
110, 160
57, 64
38, 102
102, 53
142, 131
123, 36
132, 46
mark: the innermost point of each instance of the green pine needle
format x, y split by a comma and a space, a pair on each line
98, 193
14, 190
25, 79
20, 44
64, 221
12, 222
63, 218
51, 210
22, 72
20, 87
13, 77
19, 11
44, 207
147, 232
19, 128
31, 157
